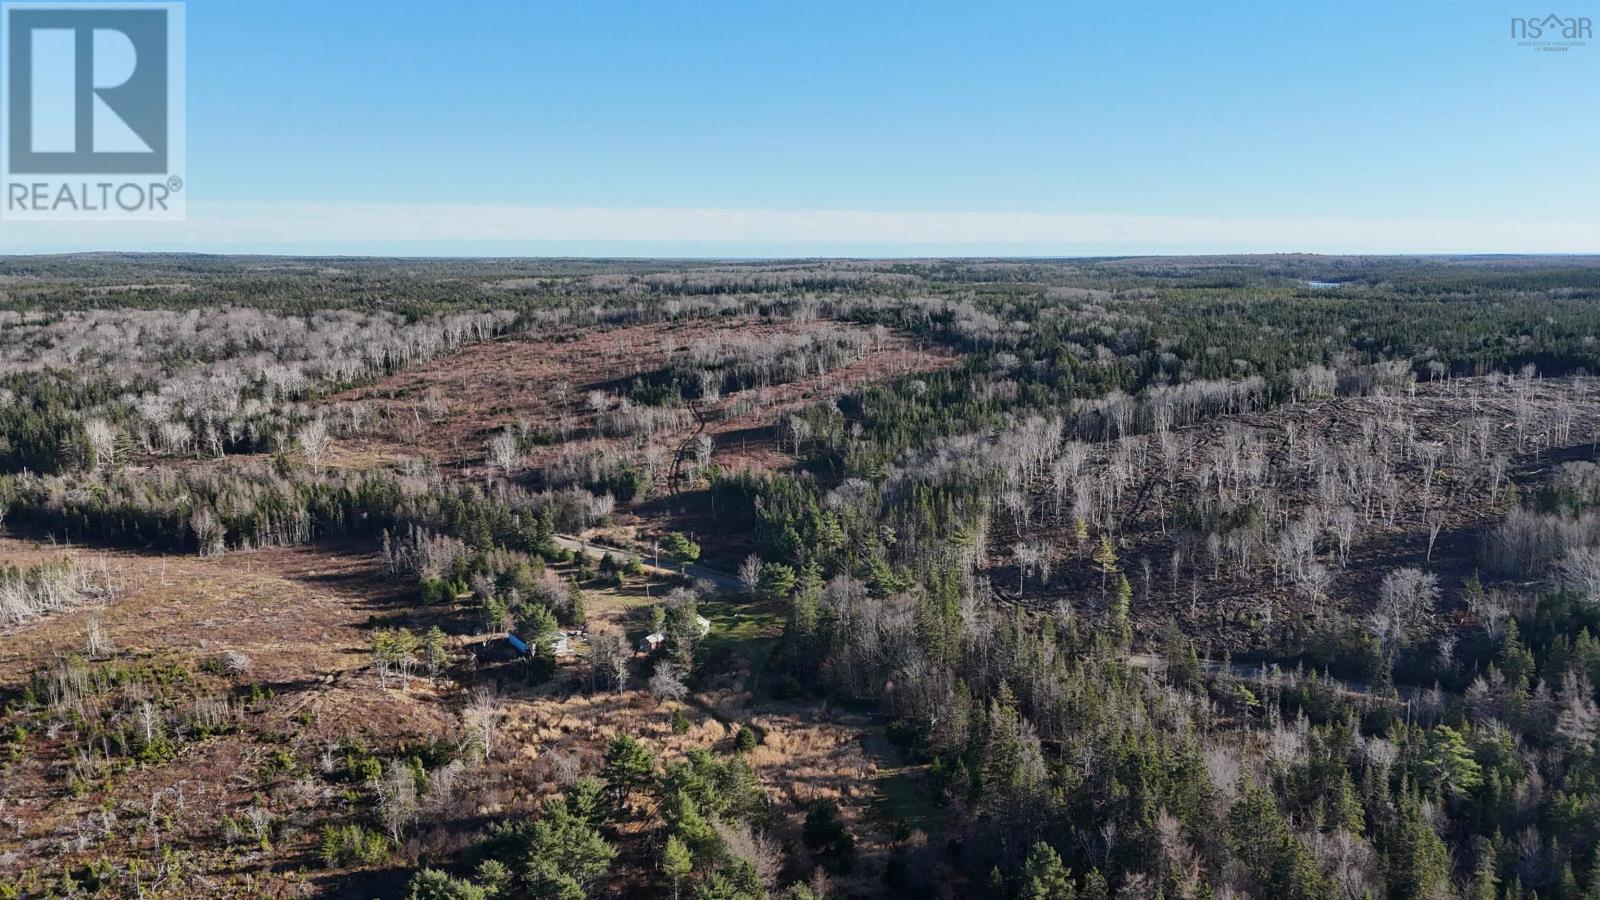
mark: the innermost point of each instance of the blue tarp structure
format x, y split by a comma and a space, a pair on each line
519, 643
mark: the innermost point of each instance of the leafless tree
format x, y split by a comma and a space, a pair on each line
763, 854
504, 452
667, 682
750, 573
1436, 519
314, 440
1405, 598
1579, 572
1578, 719
482, 720
208, 532
102, 438
97, 644
236, 664
397, 799
610, 659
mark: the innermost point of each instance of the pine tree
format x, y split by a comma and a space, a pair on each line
1001, 758
1344, 805
1105, 558
804, 610
677, 862
1121, 622
776, 581
1485, 884
1419, 863
629, 766
1567, 887
1514, 659
1044, 877
538, 627
435, 650
1450, 762
565, 855
432, 884
1593, 893
1095, 887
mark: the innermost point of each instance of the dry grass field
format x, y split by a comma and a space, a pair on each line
448, 408
300, 619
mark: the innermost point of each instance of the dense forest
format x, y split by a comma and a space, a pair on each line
1165, 577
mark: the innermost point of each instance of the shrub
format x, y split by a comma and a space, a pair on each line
348, 845
432, 884
748, 738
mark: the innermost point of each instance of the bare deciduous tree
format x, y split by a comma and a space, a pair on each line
102, 438
397, 799
1579, 572
482, 720
610, 659
750, 573
1405, 598
314, 440
667, 682
208, 532
504, 452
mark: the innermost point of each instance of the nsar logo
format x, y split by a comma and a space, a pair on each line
1552, 33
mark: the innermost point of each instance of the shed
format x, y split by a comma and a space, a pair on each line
562, 645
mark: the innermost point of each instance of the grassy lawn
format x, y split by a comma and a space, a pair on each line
904, 796
746, 627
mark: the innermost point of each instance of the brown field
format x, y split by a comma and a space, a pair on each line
299, 612
302, 615
446, 409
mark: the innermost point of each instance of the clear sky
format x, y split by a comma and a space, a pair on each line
874, 128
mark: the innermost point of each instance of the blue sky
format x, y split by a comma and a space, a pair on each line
764, 128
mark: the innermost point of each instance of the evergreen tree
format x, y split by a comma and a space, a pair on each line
629, 766
1450, 762
1044, 877
676, 862
432, 884
1119, 614
1419, 863
1105, 559
776, 582
538, 627
565, 857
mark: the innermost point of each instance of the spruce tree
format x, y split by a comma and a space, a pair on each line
1044, 877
